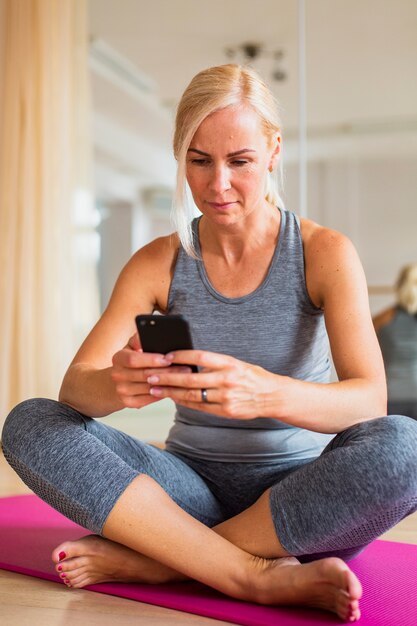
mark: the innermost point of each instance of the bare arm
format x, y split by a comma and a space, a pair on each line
337, 283
238, 390
91, 382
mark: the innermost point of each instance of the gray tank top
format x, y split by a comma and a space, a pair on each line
398, 341
277, 327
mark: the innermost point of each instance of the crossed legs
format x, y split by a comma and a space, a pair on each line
273, 576
174, 546
150, 536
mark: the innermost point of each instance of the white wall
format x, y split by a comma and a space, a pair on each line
115, 230
374, 202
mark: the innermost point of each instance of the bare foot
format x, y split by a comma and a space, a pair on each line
93, 559
326, 584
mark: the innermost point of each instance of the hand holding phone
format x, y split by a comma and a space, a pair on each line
164, 333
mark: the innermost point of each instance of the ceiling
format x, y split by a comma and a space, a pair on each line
361, 59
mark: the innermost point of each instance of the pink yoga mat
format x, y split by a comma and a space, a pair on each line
30, 529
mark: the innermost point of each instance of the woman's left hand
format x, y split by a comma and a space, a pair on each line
224, 385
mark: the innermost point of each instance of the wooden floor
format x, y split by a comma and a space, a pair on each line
27, 601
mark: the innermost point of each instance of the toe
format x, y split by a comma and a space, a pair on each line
353, 613
354, 605
61, 552
347, 607
82, 581
73, 575
71, 549
353, 585
69, 565
342, 605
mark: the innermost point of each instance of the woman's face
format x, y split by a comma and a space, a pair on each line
227, 164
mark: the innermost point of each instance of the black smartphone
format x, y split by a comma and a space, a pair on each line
164, 333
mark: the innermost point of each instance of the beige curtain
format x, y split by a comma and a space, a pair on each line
45, 160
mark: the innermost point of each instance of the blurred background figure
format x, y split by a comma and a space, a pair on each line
396, 328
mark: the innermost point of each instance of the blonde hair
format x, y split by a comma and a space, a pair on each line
211, 90
407, 288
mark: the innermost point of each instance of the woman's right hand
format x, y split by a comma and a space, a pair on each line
130, 370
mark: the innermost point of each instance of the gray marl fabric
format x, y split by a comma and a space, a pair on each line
323, 502
363, 483
277, 327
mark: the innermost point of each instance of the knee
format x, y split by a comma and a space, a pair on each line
400, 432
397, 443
19, 420
387, 447
27, 422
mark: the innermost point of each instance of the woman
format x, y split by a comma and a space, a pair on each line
396, 329
271, 477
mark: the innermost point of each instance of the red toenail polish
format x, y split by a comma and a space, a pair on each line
63, 575
61, 555
59, 568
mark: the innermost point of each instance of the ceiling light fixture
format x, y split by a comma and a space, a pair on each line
250, 51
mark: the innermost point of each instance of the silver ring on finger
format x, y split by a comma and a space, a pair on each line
204, 396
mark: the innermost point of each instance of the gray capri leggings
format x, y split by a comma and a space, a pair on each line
363, 483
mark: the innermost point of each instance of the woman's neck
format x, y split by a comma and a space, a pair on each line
234, 241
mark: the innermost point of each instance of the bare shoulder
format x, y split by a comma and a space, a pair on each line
384, 318
319, 241
330, 260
